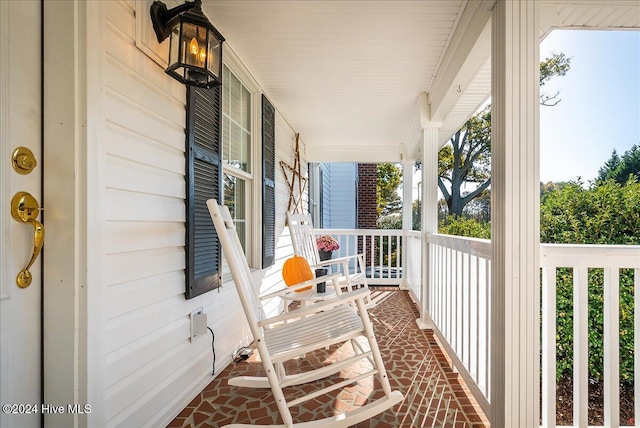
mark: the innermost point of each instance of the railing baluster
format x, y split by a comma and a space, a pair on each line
549, 347
467, 319
437, 297
611, 333
636, 345
487, 329
580, 346
447, 290
388, 264
454, 303
380, 249
442, 266
476, 358
458, 293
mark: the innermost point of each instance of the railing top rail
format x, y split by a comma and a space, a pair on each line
360, 232
473, 246
551, 255
590, 256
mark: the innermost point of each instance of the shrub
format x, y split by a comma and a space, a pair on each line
463, 226
606, 213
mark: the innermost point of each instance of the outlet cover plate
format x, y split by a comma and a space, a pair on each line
193, 319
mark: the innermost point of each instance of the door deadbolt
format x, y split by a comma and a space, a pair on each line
23, 160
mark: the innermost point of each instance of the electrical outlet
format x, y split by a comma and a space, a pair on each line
198, 323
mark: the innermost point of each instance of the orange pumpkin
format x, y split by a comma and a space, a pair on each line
296, 270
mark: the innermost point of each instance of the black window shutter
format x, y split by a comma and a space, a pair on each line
204, 178
268, 183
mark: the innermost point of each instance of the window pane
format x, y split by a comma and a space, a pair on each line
235, 199
246, 109
236, 135
246, 150
235, 98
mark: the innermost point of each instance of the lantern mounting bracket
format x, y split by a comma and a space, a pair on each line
160, 16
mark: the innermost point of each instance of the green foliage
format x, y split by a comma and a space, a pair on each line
389, 177
564, 324
606, 213
464, 226
389, 247
556, 65
619, 168
416, 215
390, 221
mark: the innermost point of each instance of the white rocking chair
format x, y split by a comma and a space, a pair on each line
283, 337
303, 238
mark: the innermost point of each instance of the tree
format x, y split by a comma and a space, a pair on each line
466, 160
619, 168
467, 157
556, 65
388, 179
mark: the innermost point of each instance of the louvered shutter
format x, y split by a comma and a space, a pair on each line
268, 183
204, 178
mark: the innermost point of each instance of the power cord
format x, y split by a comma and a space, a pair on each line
213, 350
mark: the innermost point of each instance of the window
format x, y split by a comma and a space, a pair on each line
236, 153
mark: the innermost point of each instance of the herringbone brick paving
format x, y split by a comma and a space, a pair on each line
435, 396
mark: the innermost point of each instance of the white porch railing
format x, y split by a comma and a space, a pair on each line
580, 259
459, 290
382, 249
458, 296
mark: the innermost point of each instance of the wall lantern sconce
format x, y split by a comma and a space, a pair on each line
195, 46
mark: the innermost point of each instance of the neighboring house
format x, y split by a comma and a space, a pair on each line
344, 195
105, 322
336, 195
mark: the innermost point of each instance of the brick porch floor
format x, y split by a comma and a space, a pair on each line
435, 396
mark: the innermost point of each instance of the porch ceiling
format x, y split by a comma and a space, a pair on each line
347, 74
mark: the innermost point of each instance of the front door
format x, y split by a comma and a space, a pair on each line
20, 182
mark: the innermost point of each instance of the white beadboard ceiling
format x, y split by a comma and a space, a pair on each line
347, 74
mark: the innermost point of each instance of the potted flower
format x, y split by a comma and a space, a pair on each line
326, 245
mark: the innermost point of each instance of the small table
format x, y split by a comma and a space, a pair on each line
307, 297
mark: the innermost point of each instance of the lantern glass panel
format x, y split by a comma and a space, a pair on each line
214, 56
174, 45
194, 42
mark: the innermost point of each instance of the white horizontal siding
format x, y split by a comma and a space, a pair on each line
342, 195
150, 367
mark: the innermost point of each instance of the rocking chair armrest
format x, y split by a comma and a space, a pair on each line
339, 260
304, 284
320, 306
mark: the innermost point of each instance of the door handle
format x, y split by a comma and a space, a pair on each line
25, 209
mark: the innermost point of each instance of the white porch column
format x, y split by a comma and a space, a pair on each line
429, 213
515, 212
407, 211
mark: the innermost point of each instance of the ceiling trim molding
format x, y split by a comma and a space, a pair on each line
468, 51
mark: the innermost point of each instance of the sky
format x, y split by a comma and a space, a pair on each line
600, 107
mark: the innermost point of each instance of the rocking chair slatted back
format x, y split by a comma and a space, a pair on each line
351, 266
240, 271
303, 237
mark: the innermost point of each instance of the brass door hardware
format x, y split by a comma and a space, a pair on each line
25, 209
23, 160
